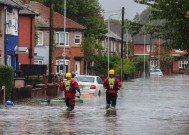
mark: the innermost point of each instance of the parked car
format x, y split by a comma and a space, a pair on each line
156, 72
90, 84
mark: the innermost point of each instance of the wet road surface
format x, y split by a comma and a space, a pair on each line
150, 106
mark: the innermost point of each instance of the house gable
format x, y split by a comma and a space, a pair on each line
58, 19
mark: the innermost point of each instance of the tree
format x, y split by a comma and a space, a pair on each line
174, 27
88, 46
139, 64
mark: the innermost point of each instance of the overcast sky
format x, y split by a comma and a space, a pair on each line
114, 7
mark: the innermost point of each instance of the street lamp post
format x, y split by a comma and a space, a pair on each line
64, 50
127, 45
144, 53
159, 53
109, 41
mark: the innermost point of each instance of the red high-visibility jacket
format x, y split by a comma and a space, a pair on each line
116, 85
72, 88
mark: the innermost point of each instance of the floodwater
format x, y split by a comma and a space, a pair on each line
145, 106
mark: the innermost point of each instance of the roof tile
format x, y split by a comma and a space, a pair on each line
58, 19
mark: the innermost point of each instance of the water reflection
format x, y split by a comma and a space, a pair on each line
69, 122
111, 122
68, 115
111, 113
151, 106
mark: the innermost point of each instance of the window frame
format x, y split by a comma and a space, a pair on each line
37, 62
79, 38
183, 64
58, 43
58, 66
148, 48
38, 37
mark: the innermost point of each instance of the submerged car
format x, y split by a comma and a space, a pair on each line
90, 84
156, 72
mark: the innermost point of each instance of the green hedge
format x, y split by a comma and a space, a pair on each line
7, 79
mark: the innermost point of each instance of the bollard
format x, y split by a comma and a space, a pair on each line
3, 88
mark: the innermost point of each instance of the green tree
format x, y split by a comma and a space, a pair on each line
139, 65
100, 65
88, 46
174, 21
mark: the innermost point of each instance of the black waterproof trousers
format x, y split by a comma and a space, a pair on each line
111, 99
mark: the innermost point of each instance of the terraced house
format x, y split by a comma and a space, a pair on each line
74, 56
32, 44
9, 20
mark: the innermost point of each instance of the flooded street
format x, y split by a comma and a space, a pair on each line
150, 106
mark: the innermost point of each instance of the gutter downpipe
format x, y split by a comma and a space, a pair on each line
5, 10
31, 33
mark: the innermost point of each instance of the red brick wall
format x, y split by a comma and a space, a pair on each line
139, 49
71, 52
24, 38
176, 67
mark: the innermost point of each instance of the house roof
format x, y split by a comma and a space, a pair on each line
10, 3
113, 35
139, 39
58, 20
26, 8
116, 29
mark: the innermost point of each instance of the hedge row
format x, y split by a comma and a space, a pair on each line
7, 79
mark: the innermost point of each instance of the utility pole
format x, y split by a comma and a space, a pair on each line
122, 33
50, 42
65, 37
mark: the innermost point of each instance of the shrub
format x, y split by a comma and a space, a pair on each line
7, 79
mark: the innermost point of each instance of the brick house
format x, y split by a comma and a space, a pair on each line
74, 57
180, 63
114, 36
142, 47
26, 44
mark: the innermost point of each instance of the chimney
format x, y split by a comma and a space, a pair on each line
26, 1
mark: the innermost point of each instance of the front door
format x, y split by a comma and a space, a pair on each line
77, 67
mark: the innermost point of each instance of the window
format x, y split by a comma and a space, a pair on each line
99, 80
153, 63
11, 21
148, 48
59, 66
77, 39
84, 79
60, 38
39, 38
38, 62
183, 64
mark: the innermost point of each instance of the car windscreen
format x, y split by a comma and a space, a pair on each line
84, 79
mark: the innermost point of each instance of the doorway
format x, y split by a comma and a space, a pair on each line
77, 67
